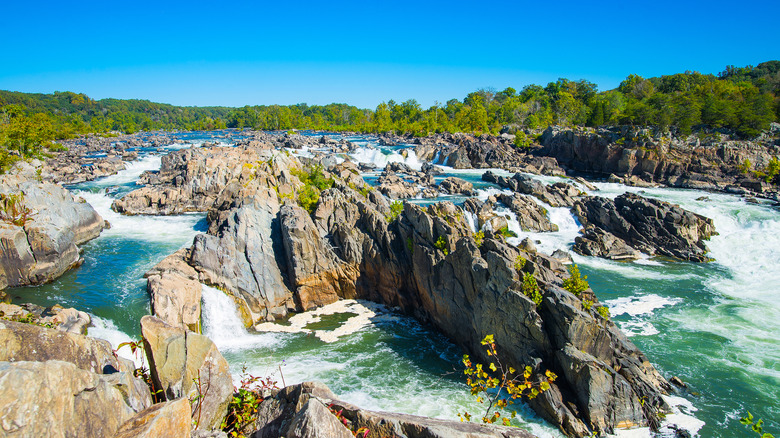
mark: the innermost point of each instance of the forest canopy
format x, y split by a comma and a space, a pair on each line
743, 100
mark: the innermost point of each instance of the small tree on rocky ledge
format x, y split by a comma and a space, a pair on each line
498, 385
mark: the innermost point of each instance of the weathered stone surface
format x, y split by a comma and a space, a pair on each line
192, 179
45, 245
532, 216
175, 291
161, 420
29, 342
649, 225
556, 195
599, 243
318, 275
457, 186
242, 259
301, 411
57, 399
186, 364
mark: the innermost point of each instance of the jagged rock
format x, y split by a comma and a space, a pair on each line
532, 216
301, 411
192, 179
315, 270
68, 320
55, 398
162, 420
29, 342
242, 259
186, 364
649, 225
662, 158
599, 243
556, 195
175, 291
45, 245
455, 186
562, 256
395, 187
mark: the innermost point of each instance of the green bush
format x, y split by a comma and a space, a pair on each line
441, 244
396, 208
575, 284
603, 311
531, 288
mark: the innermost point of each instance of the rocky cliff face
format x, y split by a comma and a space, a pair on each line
709, 162
272, 256
41, 225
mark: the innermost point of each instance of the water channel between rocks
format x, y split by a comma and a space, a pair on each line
714, 325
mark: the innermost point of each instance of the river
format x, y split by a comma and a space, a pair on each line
713, 325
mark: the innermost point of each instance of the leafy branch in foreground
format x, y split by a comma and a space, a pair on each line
242, 410
502, 385
757, 427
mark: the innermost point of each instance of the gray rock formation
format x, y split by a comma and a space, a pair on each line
175, 291
457, 186
532, 216
301, 410
599, 243
42, 245
556, 195
648, 225
186, 364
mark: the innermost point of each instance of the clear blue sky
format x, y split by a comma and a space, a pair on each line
236, 53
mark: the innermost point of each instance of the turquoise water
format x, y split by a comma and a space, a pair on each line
713, 325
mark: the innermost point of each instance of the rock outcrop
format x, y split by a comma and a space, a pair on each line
648, 225
41, 226
710, 162
162, 420
175, 291
556, 195
530, 215
598, 243
29, 342
192, 179
55, 398
55, 383
186, 364
303, 411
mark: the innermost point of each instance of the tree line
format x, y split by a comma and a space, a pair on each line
742, 100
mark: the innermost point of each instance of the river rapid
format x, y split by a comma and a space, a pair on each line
714, 325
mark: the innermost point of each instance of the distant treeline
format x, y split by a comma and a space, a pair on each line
743, 100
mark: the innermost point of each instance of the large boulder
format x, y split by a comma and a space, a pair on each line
302, 411
186, 364
530, 215
162, 420
29, 342
649, 225
40, 245
175, 291
599, 243
556, 195
317, 273
55, 398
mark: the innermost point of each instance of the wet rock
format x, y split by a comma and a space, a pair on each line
530, 215
648, 225
186, 364
562, 256
599, 243
457, 186
556, 195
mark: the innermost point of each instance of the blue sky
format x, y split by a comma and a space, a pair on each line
364, 52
